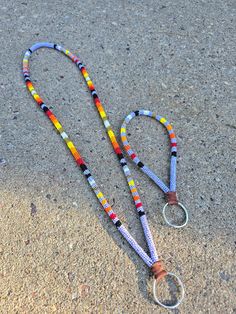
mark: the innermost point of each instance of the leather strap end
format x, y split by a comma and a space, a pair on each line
171, 198
158, 270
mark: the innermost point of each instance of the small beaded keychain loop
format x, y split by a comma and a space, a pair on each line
152, 259
170, 192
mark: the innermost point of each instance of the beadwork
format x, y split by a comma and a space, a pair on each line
149, 260
170, 191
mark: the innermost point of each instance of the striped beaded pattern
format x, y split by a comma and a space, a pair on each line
149, 260
139, 163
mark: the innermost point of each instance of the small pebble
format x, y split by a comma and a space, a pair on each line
84, 290
74, 296
71, 276
33, 209
2, 161
224, 276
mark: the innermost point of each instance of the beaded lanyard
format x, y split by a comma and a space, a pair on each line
170, 192
152, 261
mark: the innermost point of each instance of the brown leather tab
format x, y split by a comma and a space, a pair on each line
158, 270
171, 198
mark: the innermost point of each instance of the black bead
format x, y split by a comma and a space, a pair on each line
141, 213
120, 156
83, 167
45, 109
140, 164
118, 223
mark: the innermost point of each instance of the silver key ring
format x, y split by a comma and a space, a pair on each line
172, 224
173, 306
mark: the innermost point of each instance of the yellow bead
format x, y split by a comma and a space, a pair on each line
162, 120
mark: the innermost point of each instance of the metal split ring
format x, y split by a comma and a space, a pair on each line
172, 306
172, 224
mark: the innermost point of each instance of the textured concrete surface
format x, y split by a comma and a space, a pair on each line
58, 251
